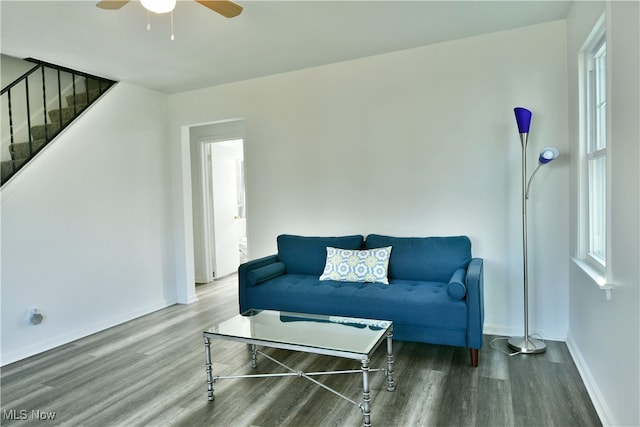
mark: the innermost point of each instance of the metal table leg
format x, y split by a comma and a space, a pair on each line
254, 356
366, 396
390, 383
207, 356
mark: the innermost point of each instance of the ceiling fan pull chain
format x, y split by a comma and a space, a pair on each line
148, 21
172, 36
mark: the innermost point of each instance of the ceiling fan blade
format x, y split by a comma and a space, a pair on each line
111, 4
226, 8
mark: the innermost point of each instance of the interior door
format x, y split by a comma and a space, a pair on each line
227, 224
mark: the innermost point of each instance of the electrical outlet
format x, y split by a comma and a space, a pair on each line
35, 317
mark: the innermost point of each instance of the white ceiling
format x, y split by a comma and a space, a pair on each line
269, 37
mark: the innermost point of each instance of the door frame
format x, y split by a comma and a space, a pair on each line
200, 136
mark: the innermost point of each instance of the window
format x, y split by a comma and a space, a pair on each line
594, 175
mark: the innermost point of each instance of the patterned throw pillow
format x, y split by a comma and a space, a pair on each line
350, 265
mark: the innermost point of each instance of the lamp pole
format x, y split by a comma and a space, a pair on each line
526, 344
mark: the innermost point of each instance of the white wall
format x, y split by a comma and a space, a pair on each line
420, 142
604, 335
86, 228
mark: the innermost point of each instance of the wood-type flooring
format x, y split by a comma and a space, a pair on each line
150, 372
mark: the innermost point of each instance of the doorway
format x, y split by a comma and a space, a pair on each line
218, 197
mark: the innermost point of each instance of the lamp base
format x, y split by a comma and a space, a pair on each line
527, 345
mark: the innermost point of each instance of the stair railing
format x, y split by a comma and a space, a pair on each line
36, 117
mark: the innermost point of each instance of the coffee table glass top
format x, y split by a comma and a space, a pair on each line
344, 334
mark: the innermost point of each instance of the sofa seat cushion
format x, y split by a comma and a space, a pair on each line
402, 301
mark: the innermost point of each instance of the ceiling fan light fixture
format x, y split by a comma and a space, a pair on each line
159, 6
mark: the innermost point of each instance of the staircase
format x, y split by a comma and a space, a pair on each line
37, 106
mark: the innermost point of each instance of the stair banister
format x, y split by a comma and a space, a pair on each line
22, 148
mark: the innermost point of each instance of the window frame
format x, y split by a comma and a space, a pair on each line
594, 162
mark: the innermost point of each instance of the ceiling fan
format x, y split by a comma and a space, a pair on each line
225, 8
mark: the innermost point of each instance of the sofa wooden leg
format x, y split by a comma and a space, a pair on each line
474, 357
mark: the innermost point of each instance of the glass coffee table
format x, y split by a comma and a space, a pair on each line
346, 337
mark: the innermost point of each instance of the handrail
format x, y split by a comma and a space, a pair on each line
39, 63
45, 109
66, 69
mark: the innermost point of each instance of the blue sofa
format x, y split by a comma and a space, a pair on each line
434, 295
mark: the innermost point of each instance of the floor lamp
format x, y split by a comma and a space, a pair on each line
526, 344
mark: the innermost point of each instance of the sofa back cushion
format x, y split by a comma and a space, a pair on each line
307, 255
424, 258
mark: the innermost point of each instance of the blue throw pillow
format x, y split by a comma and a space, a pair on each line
352, 265
307, 255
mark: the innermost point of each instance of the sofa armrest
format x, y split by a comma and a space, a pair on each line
475, 303
243, 276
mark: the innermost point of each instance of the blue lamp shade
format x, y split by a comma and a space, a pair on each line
548, 154
523, 118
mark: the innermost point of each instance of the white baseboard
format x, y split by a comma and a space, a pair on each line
598, 400
189, 300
